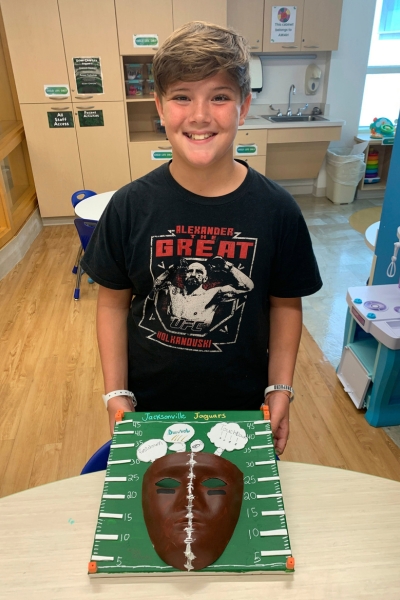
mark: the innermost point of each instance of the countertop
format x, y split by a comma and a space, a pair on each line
257, 122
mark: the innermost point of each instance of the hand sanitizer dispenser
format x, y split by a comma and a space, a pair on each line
313, 79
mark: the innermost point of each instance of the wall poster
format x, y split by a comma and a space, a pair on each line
60, 119
88, 75
283, 24
91, 118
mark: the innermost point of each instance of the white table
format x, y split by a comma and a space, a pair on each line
344, 529
370, 235
92, 208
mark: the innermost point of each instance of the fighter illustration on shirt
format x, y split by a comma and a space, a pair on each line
195, 303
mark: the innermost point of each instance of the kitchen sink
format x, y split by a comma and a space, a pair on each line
294, 118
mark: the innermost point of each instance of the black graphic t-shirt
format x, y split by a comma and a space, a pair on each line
201, 272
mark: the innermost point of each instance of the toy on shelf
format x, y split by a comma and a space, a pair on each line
382, 128
371, 171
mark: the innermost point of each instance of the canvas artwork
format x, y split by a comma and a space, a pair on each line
191, 493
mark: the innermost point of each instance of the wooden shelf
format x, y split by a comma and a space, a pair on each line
147, 136
144, 98
385, 154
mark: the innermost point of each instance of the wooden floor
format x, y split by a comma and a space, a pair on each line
52, 417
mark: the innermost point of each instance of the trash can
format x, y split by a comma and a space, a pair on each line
343, 172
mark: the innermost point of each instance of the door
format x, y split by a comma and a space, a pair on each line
321, 24
142, 20
287, 30
103, 145
36, 47
89, 29
53, 150
246, 17
203, 10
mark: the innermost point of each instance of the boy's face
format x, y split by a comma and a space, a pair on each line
201, 120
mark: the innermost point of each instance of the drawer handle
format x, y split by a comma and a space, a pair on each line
248, 144
83, 97
289, 46
85, 107
58, 98
164, 147
59, 107
254, 47
311, 46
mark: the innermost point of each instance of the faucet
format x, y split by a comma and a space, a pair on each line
291, 89
299, 113
279, 113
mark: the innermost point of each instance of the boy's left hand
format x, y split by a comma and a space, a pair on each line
278, 403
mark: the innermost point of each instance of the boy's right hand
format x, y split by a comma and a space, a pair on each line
118, 403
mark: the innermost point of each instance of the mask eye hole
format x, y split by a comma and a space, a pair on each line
167, 485
213, 483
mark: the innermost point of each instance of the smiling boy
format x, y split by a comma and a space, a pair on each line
219, 343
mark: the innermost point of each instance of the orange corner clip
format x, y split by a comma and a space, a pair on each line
265, 410
93, 567
290, 563
119, 415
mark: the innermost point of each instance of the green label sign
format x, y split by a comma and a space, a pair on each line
246, 149
91, 118
161, 154
88, 75
56, 90
388, 141
60, 119
148, 40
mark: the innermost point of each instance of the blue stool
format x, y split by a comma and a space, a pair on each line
85, 230
98, 462
75, 199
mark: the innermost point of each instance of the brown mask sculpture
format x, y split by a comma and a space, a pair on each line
191, 504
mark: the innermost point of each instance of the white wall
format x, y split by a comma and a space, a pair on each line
279, 73
348, 66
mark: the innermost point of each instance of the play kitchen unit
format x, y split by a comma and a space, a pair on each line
370, 365
83, 72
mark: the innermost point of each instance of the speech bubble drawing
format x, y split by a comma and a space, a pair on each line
178, 432
151, 450
178, 447
197, 446
227, 436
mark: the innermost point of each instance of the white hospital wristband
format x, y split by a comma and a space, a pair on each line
280, 387
107, 397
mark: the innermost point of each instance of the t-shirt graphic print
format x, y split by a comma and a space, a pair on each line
202, 276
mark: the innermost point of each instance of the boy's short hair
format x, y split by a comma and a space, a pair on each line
198, 50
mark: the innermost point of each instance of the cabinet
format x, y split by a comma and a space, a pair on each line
36, 47
54, 157
298, 153
384, 157
161, 18
250, 145
135, 17
290, 46
89, 29
195, 10
317, 26
246, 17
321, 24
44, 37
103, 150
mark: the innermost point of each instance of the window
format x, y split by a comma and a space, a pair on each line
382, 83
389, 24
